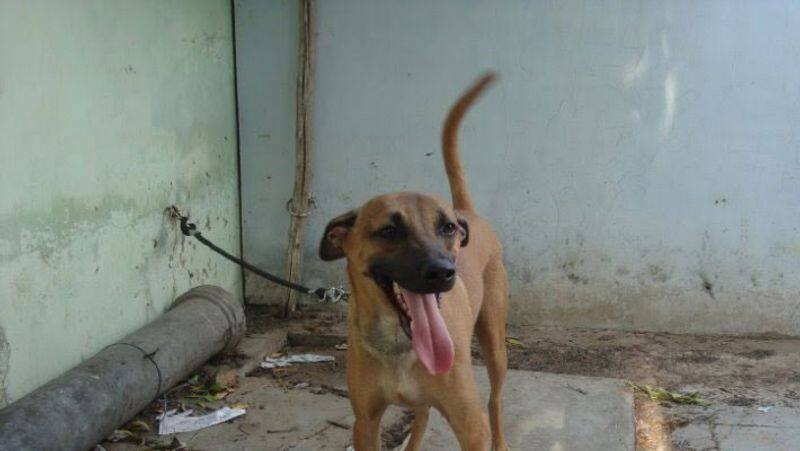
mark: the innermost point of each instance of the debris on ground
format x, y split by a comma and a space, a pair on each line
288, 360
121, 435
744, 372
341, 347
315, 339
174, 445
661, 394
173, 422
227, 378
764, 409
139, 426
140, 439
324, 389
511, 341
200, 390
338, 424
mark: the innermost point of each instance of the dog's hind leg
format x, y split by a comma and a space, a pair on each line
491, 330
418, 428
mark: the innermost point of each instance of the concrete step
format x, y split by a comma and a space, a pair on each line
554, 412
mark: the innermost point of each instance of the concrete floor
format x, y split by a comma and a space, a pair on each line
555, 412
544, 410
731, 428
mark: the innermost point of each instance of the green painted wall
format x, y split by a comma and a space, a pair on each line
109, 112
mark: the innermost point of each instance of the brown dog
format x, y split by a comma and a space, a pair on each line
424, 275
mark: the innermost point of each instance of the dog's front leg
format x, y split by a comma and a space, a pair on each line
367, 428
464, 413
368, 401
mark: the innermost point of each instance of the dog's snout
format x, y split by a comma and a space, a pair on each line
439, 271
418, 273
438, 274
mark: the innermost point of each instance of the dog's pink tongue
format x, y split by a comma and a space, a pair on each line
429, 334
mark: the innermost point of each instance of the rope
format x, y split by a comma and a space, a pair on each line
147, 356
330, 294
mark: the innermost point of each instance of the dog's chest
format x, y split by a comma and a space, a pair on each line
404, 388
384, 338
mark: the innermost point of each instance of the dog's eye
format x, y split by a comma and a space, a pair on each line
449, 229
389, 232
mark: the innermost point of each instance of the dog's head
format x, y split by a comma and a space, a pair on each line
407, 245
409, 238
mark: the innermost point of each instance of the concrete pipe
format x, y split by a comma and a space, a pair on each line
83, 406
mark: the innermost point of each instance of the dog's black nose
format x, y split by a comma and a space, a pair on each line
439, 273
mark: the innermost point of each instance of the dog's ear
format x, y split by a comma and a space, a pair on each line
463, 226
332, 245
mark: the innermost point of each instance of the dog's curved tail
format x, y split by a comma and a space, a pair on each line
452, 160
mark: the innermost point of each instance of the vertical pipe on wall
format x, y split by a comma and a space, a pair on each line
238, 144
299, 204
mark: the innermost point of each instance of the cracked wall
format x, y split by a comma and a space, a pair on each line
110, 112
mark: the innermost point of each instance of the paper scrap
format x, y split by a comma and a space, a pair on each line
288, 360
172, 422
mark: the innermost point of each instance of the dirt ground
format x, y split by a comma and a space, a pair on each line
737, 371
757, 371
751, 371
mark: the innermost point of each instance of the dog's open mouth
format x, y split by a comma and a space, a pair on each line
394, 293
421, 319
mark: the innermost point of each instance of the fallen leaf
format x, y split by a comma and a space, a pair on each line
121, 434
139, 425
204, 396
661, 394
511, 341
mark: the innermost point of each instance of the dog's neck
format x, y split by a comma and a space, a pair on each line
373, 321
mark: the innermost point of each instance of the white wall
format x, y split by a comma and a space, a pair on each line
641, 160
